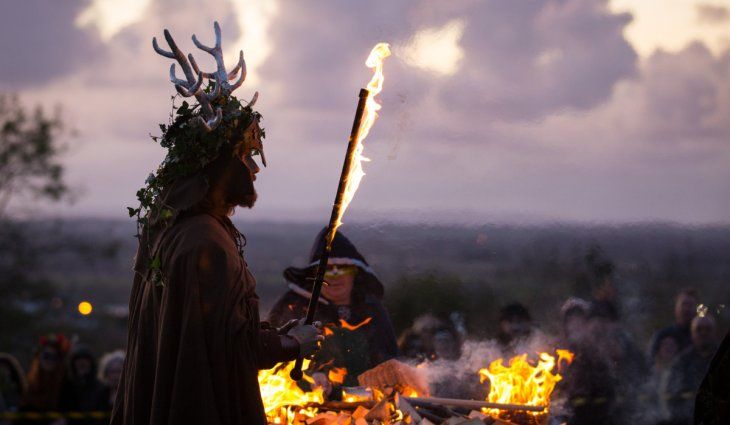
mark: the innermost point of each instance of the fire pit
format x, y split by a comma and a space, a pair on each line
519, 393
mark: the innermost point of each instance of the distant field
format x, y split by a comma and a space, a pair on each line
472, 270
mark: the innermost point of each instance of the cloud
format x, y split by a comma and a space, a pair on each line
524, 60
436, 49
686, 95
109, 18
712, 14
545, 113
40, 43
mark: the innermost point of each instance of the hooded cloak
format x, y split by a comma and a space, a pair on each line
358, 350
195, 343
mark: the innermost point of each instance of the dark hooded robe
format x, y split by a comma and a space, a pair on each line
195, 342
358, 350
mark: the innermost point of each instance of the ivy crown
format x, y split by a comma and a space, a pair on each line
190, 147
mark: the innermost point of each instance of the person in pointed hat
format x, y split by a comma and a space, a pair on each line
358, 330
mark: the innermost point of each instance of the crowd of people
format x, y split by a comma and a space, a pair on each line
62, 377
611, 379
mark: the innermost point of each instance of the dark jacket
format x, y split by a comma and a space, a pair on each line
358, 349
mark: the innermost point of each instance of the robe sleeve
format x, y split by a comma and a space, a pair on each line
275, 348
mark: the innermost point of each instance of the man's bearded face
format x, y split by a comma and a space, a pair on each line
241, 191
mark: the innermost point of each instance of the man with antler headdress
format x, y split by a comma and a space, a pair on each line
195, 341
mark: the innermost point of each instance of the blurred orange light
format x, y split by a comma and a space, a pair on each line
85, 308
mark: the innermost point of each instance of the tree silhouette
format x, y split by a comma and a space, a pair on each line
29, 154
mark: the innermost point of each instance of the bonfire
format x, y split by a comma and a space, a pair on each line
520, 392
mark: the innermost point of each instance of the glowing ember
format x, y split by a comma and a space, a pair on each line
375, 86
337, 375
522, 383
284, 401
350, 327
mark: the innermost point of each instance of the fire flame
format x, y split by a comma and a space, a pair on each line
350, 327
337, 375
375, 86
522, 383
284, 401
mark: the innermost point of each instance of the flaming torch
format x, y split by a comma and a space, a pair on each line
352, 172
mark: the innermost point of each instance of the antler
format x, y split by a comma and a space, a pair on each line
192, 85
220, 76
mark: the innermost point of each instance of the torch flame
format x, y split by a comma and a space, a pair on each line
375, 86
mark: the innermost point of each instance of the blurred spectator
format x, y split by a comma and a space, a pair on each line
515, 325
45, 376
12, 384
430, 338
359, 332
665, 355
689, 368
588, 384
110, 371
685, 308
625, 360
601, 271
82, 391
574, 314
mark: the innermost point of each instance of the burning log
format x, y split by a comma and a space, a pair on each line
343, 405
519, 393
406, 408
471, 404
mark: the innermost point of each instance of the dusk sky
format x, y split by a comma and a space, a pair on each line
493, 111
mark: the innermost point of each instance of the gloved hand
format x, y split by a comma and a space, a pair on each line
309, 337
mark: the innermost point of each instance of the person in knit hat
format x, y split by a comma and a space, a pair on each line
358, 330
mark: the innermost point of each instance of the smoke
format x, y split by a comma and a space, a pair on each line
459, 378
619, 380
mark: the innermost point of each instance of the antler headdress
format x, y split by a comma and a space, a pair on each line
195, 136
211, 115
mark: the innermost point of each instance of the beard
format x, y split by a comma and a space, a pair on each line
248, 201
241, 191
